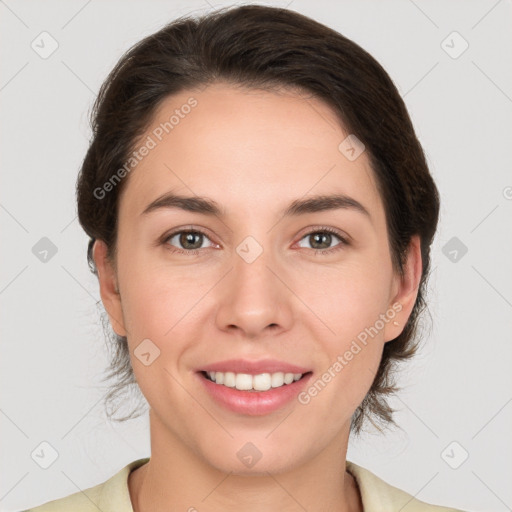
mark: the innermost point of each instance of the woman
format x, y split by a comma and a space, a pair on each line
260, 215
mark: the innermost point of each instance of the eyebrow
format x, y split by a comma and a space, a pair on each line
297, 207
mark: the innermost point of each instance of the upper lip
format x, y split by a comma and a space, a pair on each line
253, 367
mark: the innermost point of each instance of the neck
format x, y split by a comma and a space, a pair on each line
176, 478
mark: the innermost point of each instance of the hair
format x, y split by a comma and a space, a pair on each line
266, 48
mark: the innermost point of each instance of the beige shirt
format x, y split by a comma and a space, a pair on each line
113, 495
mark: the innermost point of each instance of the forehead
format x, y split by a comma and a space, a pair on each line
264, 148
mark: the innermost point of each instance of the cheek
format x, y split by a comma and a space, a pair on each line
160, 299
347, 298
350, 302
158, 295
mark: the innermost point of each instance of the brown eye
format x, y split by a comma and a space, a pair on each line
321, 240
186, 241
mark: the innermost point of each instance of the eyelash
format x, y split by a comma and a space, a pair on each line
194, 252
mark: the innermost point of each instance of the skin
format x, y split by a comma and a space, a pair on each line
253, 152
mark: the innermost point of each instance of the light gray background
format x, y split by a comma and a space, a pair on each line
457, 389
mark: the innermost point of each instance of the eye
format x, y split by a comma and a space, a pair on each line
320, 240
189, 241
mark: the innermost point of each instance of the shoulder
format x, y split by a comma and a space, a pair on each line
376, 494
113, 494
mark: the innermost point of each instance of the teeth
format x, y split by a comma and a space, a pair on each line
247, 382
262, 382
277, 379
243, 381
229, 379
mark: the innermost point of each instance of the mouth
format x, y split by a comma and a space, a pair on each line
253, 383
251, 390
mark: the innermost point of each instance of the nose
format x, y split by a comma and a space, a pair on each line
254, 300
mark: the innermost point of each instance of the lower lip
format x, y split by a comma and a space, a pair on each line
254, 403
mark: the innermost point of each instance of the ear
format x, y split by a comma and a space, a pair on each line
108, 287
405, 290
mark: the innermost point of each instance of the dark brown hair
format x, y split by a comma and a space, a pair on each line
266, 48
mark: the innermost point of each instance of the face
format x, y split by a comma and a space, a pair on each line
256, 287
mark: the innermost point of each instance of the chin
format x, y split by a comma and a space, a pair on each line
243, 457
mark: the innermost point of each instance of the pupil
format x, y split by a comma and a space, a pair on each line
187, 238
321, 236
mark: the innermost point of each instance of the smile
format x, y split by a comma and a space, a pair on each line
248, 382
253, 394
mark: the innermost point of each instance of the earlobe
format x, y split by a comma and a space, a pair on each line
407, 290
109, 290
